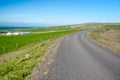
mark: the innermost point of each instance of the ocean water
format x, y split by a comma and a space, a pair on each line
10, 28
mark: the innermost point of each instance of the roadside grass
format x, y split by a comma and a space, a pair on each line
19, 68
108, 36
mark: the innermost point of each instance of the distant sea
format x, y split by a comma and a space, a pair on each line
10, 28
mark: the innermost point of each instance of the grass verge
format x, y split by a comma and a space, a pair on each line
107, 36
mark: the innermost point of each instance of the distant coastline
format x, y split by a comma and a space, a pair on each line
10, 28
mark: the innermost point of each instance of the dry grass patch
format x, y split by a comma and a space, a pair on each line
107, 37
112, 39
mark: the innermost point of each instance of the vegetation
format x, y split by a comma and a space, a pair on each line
108, 27
12, 43
19, 68
108, 36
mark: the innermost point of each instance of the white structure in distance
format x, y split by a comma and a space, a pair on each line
17, 33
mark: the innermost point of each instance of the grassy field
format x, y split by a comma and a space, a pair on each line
12, 43
108, 36
19, 68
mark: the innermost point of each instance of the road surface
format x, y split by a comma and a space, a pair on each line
80, 59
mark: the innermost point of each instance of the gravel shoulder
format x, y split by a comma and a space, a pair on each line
44, 69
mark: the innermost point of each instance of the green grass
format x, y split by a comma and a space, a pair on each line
16, 42
19, 68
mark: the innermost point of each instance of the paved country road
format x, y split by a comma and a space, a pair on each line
80, 59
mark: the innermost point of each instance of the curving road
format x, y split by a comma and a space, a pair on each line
80, 59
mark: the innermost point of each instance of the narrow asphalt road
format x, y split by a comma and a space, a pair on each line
80, 59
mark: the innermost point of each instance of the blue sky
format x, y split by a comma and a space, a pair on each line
59, 12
